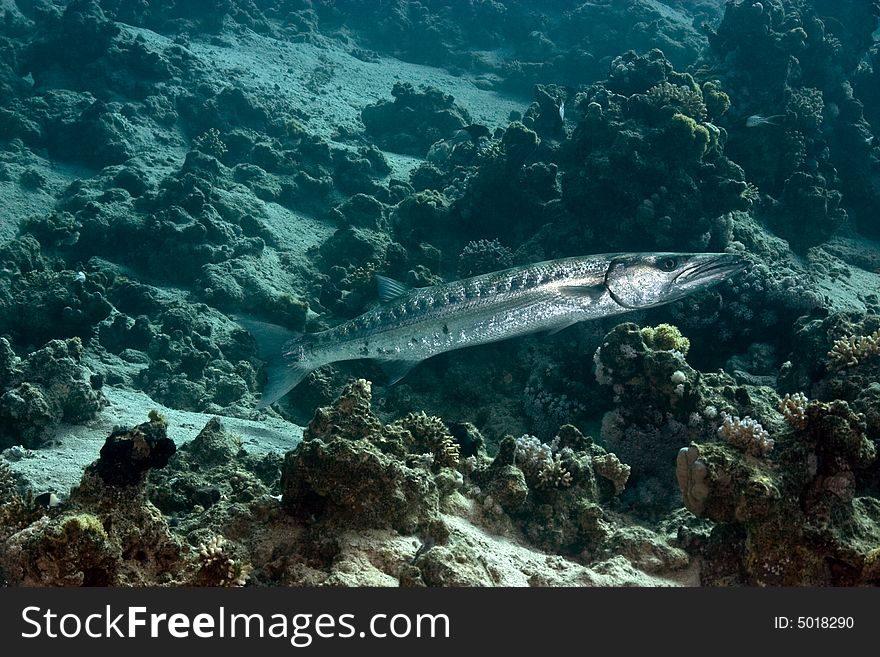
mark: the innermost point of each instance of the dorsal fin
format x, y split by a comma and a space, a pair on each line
389, 288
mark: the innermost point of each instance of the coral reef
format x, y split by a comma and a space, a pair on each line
353, 471
414, 119
832, 357
798, 511
345, 472
210, 468
107, 533
792, 60
661, 402
47, 387
646, 166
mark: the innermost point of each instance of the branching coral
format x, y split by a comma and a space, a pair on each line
209, 142
542, 467
807, 105
665, 337
483, 256
716, 100
794, 409
548, 410
554, 474
746, 433
850, 350
430, 435
217, 568
684, 99
611, 468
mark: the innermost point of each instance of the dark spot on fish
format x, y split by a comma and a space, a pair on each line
365, 350
531, 280
445, 328
453, 297
514, 284
485, 290
470, 292
414, 340
439, 301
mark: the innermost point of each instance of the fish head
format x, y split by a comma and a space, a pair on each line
645, 280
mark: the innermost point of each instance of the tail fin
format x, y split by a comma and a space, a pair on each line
281, 352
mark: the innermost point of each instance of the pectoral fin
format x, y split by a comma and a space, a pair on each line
389, 288
581, 293
395, 370
594, 292
561, 327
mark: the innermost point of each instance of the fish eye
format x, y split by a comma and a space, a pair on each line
668, 264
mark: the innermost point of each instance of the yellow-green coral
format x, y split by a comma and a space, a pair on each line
717, 102
689, 137
682, 98
157, 418
665, 337
81, 526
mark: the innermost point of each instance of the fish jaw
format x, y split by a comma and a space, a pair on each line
639, 281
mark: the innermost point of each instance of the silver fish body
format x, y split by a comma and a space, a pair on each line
415, 324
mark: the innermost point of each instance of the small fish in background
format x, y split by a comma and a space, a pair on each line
562, 111
756, 120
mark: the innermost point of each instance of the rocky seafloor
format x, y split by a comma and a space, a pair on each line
166, 167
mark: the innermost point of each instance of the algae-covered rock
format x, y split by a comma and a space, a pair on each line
348, 470
554, 492
47, 387
414, 120
127, 455
107, 533
798, 510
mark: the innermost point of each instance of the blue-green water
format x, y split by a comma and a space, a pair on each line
170, 174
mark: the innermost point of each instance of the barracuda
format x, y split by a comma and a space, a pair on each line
414, 324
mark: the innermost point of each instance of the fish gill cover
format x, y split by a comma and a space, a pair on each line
168, 169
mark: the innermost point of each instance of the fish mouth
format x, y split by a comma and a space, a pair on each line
710, 268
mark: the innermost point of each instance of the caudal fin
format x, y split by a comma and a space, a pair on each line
278, 348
